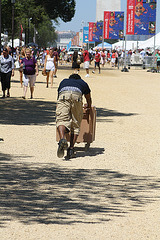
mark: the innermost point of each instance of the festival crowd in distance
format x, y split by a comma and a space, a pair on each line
29, 60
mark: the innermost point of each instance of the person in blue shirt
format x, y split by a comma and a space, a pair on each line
69, 112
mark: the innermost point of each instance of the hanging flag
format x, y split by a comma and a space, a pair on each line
85, 34
91, 26
21, 29
97, 32
113, 25
21, 33
141, 17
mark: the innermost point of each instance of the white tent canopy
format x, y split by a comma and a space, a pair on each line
149, 43
16, 43
121, 45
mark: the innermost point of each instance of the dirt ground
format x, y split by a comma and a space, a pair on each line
110, 192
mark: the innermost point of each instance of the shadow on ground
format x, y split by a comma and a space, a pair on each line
103, 114
16, 111
49, 194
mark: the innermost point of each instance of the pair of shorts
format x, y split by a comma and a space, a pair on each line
113, 60
97, 64
69, 111
86, 65
31, 79
50, 70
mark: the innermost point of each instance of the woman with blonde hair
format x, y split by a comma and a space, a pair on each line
30, 71
49, 66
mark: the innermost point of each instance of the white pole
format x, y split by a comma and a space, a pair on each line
125, 68
103, 35
154, 54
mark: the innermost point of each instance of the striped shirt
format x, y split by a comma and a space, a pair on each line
6, 64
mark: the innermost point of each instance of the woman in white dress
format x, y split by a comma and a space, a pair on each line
49, 66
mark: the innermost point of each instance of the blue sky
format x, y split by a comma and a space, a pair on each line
86, 12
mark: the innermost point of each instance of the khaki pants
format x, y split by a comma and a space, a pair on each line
69, 112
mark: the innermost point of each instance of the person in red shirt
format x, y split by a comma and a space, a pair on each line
113, 58
86, 61
97, 59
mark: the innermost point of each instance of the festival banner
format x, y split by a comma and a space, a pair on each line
85, 34
113, 25
77, 39
141, 17
80, 38
97, 32
91, 25
73, 41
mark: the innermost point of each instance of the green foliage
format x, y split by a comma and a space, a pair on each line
40, 12
65, 9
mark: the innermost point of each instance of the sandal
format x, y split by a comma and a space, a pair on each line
63, 145
71, 153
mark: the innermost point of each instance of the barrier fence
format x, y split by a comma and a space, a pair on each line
137, 61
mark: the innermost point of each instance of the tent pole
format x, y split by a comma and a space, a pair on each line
125, 69
103, 35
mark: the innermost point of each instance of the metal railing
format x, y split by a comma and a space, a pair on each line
146, 62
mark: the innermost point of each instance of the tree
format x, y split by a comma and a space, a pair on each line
64, 9
40, 12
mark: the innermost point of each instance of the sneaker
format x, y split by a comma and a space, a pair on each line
63, 145
93, 71
87, 75
70, 153
55, 76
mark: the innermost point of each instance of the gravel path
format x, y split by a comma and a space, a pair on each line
110, 192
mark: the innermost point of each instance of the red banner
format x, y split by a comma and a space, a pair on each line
73, 41
130, 16
106, 24
90, 38
77, 39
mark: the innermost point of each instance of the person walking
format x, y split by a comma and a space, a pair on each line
69, 111
75, 64
97, 60
113, 58
103, 57
30, 71
56, 55
86, 61
49, 66
6, 71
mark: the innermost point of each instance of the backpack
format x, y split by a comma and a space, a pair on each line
90, 56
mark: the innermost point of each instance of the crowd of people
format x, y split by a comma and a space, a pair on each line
29, 60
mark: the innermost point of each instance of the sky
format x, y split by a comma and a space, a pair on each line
86, 12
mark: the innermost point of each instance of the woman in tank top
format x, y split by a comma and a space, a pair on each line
49, 66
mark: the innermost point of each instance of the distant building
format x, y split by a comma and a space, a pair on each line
106, 5
64, 37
